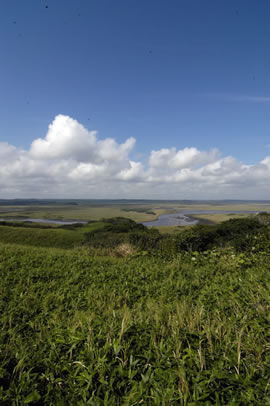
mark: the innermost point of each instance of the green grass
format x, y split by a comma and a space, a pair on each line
170, 229
77, 329
219, 217
51, 237
65, 212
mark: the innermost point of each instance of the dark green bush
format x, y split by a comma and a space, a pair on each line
120, 230
145, 240
241, 234
122, 225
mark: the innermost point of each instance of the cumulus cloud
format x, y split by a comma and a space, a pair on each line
68, 139
134, 172
187, 157
71, 161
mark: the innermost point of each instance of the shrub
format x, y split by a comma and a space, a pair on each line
119, 231
238, 233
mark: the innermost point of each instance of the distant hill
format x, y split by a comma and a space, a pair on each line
110, 202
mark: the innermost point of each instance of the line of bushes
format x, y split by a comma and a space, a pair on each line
120, 230
242, 234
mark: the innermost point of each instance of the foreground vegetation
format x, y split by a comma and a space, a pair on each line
122, 315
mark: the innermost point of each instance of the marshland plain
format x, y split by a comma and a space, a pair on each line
137, 210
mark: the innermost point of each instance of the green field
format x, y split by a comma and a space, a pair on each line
111, 313
81, 212
219, 217
53, 236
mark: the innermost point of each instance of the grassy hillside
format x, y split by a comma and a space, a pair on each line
42, 236
158, 327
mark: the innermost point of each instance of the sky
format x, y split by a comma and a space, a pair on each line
166, 99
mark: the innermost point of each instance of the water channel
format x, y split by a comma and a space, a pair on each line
184, 218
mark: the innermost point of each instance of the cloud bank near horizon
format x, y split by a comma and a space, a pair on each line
71, 161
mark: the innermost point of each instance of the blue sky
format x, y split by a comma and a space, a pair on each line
182, 74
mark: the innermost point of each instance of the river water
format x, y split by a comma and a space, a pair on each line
184, 218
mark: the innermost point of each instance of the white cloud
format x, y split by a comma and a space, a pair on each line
134, 172
71, 161
6, 151
88, 171
65, 138
187, 157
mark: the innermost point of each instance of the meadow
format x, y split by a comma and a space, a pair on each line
112, 313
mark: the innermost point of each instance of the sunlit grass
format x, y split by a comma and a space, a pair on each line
219, 217
82, 212
80, 329
51, 237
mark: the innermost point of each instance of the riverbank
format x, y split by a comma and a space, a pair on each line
192, 217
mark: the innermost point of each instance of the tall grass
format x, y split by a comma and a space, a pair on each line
77, 329
55, 237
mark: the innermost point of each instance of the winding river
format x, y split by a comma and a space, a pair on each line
184, 218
